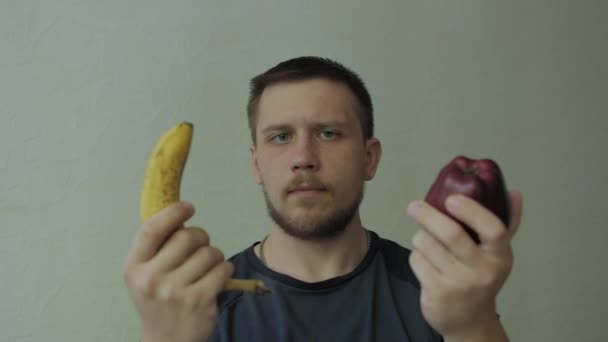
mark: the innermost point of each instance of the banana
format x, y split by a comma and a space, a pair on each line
162, 183
163, 176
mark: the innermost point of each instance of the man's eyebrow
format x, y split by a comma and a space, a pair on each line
286, 127
272, 128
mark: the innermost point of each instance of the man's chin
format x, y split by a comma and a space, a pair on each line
315, 218
311, 232
311, 224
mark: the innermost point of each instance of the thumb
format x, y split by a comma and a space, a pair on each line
516, 200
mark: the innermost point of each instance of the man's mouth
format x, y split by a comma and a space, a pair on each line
306, 189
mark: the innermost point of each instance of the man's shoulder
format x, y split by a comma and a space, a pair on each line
393, 249
396, 258
242, 270
244, 263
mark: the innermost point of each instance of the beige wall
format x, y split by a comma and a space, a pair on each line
86, 87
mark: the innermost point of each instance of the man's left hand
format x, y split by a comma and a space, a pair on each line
459, 279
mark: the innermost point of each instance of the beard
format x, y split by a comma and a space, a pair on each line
312, 226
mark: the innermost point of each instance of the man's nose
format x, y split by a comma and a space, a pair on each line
305, 154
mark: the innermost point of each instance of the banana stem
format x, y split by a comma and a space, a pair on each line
248, 285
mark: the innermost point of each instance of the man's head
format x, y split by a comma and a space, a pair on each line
313, 146
306, 68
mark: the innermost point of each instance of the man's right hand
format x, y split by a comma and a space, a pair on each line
174, 276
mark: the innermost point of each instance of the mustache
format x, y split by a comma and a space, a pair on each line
305, 179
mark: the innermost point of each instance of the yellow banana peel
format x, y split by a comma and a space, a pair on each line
162, 184
163, 176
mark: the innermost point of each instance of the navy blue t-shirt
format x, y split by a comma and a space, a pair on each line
378, 301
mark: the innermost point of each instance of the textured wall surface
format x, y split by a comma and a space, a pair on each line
86, 88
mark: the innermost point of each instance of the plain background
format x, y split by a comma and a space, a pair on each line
86, 88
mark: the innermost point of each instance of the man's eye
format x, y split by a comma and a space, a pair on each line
280, 138
329, 135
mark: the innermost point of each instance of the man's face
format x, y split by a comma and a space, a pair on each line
310, 157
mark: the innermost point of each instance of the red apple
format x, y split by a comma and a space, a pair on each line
479, 179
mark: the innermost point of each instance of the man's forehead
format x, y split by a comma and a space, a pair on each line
309, 85
322, 118
318, 101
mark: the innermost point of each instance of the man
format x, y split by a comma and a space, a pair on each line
311, 122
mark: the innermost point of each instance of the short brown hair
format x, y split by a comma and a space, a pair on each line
308, 67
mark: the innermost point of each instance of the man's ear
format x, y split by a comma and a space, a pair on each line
373, 153
255, 170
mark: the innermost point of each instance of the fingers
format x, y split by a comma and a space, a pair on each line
423, 268
155, 231
434, 252
179, 247
491, 230
516, 211
197, 265
444, 229
212, 283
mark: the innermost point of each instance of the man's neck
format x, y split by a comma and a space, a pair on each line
315, 260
